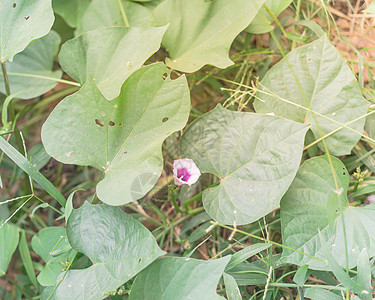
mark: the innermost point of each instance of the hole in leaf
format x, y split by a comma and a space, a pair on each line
111, 123
99, 122
26, 18
165, 119
165, 75
139, 260
14, 5
344, 173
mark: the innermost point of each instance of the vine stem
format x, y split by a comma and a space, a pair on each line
73, 83
123, 14
6, 80
269, 241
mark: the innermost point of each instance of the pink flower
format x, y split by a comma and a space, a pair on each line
185, 171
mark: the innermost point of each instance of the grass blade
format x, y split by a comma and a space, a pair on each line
26, 166
26, 259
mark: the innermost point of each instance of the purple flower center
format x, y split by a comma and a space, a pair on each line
183, 174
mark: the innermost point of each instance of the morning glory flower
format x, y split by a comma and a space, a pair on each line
185, 171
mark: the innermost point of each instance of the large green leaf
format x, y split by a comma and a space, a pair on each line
307, 208
118, 246
201, 32
22, 21
71, 10
262, 22
36, 60
108, 13
316, 76
179, 278
110, 55
9, 237
46, 240
255, 157
122, 137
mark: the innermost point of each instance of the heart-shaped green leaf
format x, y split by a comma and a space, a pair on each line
122, 137
36, 60
9, 238
72, 11
118, 246
109, 14
316, 77
179, 278
262, 22
22, 21
110, 55
255, 157
201, 32
46, 240
305, 212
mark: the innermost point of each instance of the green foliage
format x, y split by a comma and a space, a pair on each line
110, 55
71, 10
262, 23
52, 245
30, 170
118, 246
26, 259
37, 59
179, 278
9, 237
124, 126
22, 21
115, 136
233, 293
254, 156
108, 14
200, 32
316, 77
307, 202
246, 253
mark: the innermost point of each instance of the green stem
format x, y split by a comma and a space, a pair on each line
41, 77
271, 242
123, 14
197, 196
60, 94
6, 80
172, 195
356, 184
175, 204
193, 199
62, 278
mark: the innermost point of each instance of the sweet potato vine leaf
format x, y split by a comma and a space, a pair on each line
255, 157
312, 205
316, 76
21, 22
201, 32
110, 55
122, 137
